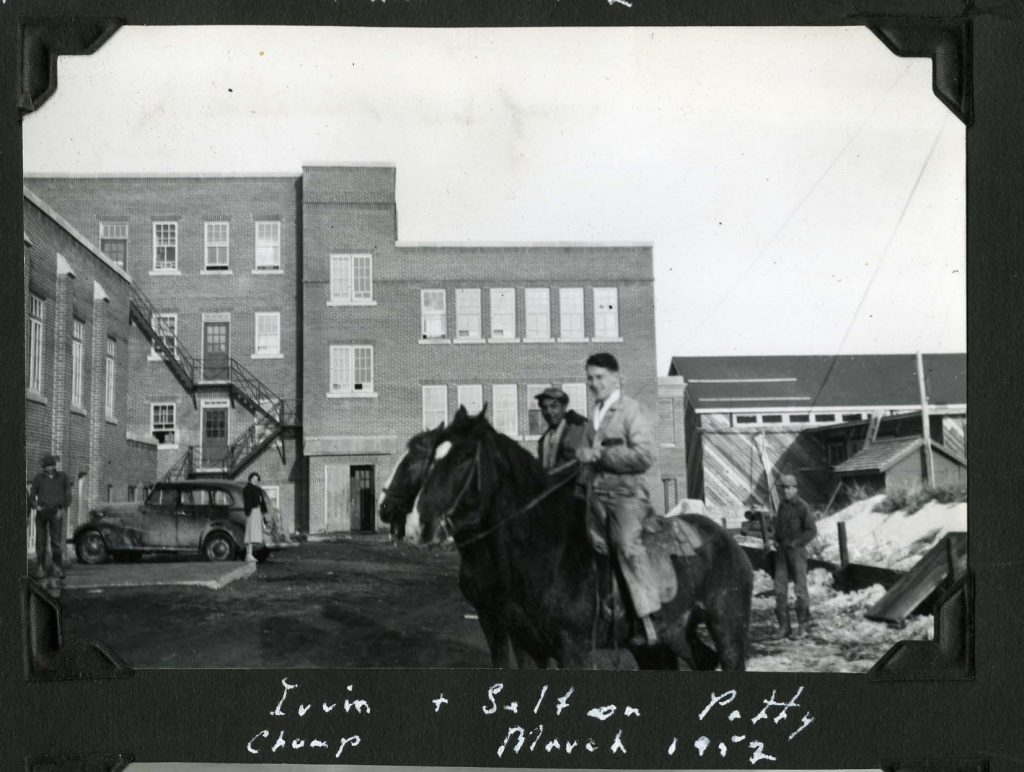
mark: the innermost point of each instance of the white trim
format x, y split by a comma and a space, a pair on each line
207, 272
749, 400
266, 356
216, 316
443, 314
572, 340
267, 272
504, 340
433, 341
464, 341
165, 272
352, 395
523, 244
256, 245
538, 340
343, 303
177, 254
740, 380
951, 408
606, 340
256, 335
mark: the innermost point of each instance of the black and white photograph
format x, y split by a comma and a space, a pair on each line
579, 348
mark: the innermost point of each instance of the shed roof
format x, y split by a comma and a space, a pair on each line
882, 455
788, 383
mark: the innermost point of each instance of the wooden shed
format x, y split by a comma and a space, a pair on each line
901, 462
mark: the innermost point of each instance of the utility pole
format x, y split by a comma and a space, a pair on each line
925, 421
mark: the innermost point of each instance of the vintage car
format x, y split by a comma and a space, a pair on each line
193, 516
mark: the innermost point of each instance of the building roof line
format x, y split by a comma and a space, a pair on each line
522, 244
160, 175
349, 164
932, 406
49, 212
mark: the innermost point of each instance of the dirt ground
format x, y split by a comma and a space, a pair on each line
365, 603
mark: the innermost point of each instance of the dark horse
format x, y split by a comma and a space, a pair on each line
538, 568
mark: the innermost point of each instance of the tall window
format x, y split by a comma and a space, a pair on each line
351, 278
506, 409
503, 313
467, 314
471, 398
162, 425
166, 328
351, 370
570, 308
273, 495
435, 405
577, 393
114, 241
268, 246
165, 246
77, 333
268, 334
432, 313
537, 424
111, 373
538, 312
35, 344
606, 312
217, 246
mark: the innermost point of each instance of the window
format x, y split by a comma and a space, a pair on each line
771, 419
503, 313
538, 313
273, 495
268, 246
745, 419
471, 398
35, 345
824, 418
577, 393
165, 246
432, 313
796, 418
606, 312
162, 424
435, 406
836, 453
221, 498
166, 328
114, 241
351, 278
268, 334
217, 246
535, 420
506, 409
852, 416
111, 372
467, 314
351, 370
131, 493
110, 493
570, 307
77, 362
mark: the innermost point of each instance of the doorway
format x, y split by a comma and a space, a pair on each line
215, 350
215, 435
363, 500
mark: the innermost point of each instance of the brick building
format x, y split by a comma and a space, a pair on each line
291, 299
78, 364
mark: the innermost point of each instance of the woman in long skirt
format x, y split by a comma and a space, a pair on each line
254, 505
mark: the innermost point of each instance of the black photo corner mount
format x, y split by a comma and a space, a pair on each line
948, 43
949, 656
49, 656
43, 40
80, 763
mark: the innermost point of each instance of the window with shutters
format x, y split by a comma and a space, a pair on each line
351, 371
217, 246
165, 246
467, 314
606, 313
435, 406
432, 314
114, 241
35, 344
570, 313
503, 314
538, 313
577, 393
472, 398
268, 335
534, 418
268, 246
506, 409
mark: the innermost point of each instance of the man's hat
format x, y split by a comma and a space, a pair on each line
49, 461
787, 481
552, 392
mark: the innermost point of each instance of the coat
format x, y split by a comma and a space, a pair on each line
252, 497
628, 447
576, 434
794, 524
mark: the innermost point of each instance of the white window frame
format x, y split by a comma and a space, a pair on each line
157, 245
504, 296
437, 414
224, 267
37, 308
273, 244
345, 384
154, 355
270, 353
565, 293
532, 406
580, 406
462, 314
471, 389
115, 231
77, 362
538, 323
442, 315
343, 265
500, 411
275, 500
174, 424
607, 315
111, 380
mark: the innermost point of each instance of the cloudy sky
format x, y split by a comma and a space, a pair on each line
803, 188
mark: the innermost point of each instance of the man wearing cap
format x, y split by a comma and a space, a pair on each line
567, 429
623, 448
50, 495
794, 530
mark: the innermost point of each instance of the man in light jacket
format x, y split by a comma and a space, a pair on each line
624, 447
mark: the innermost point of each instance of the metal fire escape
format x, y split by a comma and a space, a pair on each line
272, 414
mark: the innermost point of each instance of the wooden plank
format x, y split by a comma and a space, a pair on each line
917, 584
844, 548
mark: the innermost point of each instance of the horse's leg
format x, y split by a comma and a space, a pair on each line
726, 620
497, 639
660, 657
704, 656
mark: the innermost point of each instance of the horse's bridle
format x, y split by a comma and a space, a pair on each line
474, 472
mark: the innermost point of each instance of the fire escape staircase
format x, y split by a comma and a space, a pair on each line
272, 413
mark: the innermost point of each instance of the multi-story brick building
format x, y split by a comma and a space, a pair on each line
303, 277
77, 364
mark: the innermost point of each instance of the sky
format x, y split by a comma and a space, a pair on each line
803, 189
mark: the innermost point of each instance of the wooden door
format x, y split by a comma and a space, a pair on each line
363, 501
215, 436
215, 351
336, 497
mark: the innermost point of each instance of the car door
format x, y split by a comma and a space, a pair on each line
192, 518
158, 523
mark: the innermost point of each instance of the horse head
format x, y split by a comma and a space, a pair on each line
399, 492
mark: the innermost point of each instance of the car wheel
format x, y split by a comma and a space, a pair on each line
219, 548
261, 554
91, 549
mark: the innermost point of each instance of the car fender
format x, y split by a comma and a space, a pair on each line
114, 535
236, 533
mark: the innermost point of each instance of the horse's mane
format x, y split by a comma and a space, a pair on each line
527, 474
